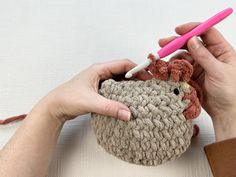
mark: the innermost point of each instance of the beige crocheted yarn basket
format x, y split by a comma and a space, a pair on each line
158, 130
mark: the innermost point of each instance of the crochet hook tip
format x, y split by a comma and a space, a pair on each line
128, 75
139, 67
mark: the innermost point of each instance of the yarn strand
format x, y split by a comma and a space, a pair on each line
12, 119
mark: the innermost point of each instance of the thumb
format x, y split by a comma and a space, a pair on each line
202, 55
102, 105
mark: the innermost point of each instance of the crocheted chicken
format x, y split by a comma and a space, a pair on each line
160, 128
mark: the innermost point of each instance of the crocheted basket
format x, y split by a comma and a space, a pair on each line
158, 130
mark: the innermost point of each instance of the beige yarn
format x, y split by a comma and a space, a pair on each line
157, 132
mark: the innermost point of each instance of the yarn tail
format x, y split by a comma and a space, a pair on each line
12, 119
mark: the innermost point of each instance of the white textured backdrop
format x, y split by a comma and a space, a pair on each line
45, 42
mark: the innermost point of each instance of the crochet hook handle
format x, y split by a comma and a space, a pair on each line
181, 40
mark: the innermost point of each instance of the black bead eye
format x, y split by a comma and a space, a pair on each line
176, 91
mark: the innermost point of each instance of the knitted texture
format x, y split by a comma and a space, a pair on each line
158, 130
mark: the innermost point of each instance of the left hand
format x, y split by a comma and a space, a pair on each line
30, 150
80, 94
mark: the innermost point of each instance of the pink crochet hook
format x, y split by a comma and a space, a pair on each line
182, 40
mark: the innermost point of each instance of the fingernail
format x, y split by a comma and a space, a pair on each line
194, 43
124, 114
178, 26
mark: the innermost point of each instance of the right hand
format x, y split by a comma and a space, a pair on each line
214, 62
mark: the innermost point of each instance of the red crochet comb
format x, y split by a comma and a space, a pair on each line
176, 70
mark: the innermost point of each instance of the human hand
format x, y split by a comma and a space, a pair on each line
80, 94
214, 62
